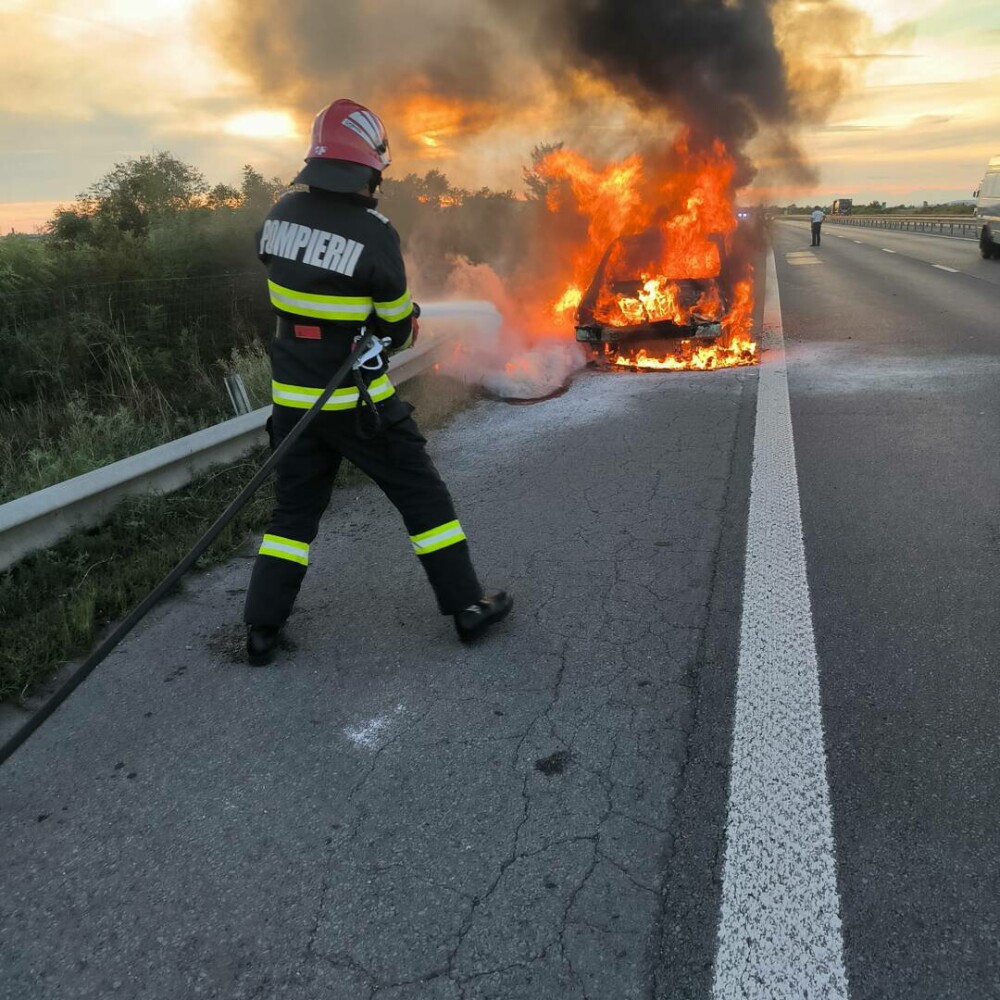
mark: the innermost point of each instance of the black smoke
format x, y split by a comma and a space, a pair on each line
714, 64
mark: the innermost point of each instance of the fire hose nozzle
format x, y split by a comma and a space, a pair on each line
376, 346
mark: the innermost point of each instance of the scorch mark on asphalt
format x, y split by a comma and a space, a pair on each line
780, 934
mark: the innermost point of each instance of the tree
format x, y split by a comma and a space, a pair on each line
223, 196
71, 225
258, 193
435, 186
136, 193
538, 186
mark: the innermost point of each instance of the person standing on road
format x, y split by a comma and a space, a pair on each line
334, 266
816, 219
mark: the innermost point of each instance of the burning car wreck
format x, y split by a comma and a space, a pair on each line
650, 306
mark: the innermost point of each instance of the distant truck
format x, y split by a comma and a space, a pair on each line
988, 209
842, 206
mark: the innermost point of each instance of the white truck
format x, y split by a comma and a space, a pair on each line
988, 209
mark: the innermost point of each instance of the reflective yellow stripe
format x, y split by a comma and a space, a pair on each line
285, 548
437, 538
335, 307
395, 310
301, 397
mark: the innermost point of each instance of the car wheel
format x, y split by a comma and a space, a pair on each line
986, 245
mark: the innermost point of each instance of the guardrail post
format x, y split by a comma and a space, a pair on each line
237, 393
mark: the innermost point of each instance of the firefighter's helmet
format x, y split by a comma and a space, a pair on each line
348, 149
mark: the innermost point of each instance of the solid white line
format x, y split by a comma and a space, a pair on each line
887, 250
941, 267
780, 935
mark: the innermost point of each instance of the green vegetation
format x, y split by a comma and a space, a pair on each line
54, 602
117, 327
882, 208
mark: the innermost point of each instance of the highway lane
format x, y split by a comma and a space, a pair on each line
961, 255
894, 369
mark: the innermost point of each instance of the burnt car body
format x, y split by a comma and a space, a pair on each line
620, 273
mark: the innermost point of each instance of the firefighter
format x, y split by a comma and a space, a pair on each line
334, 267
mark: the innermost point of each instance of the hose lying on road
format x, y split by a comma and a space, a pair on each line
365, 343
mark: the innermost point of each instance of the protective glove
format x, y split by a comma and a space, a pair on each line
414, 325
411, 339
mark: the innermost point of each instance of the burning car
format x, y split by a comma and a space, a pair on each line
664, 279
631, 305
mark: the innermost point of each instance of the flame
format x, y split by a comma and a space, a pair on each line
441, 200
568, 301
659, 234
609, 199
698, 358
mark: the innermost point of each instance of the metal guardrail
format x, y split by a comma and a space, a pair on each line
958, 227
41, 519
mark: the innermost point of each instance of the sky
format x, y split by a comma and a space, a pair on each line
86, 86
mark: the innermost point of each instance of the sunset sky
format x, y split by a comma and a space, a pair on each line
84, 86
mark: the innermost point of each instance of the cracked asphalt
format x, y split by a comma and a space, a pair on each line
387, 813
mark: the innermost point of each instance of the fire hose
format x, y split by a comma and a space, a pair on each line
366, 347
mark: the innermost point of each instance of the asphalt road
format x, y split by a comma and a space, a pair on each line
565, 810
937, 251
894, 375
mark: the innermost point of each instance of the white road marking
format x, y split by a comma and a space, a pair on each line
780, 935
859, 241
887, 250
802, 259
941, 267
798, 258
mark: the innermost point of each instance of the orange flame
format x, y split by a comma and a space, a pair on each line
678, 278
441, 200
568, 301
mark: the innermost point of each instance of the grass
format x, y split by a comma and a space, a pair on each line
69, 431
54, 603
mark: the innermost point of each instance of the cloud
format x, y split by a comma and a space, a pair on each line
852, 128
53, 63
872, 56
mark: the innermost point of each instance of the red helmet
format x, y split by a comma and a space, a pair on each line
348, 144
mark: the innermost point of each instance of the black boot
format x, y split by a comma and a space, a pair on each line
471, 622
262, 642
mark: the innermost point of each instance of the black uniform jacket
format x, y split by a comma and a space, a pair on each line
333, 265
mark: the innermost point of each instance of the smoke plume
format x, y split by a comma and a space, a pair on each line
609, 74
